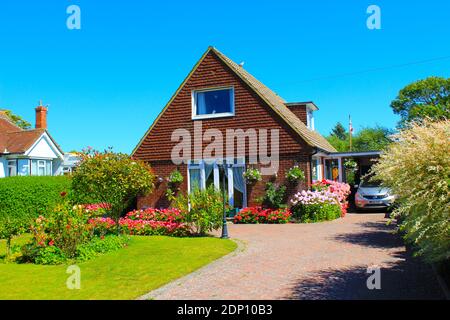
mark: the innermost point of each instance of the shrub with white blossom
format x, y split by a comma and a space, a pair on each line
417, 169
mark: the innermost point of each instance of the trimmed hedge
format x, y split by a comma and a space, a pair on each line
28, 197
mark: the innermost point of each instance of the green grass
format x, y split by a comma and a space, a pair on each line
146, 264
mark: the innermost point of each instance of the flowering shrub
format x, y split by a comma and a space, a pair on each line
342, 190
171, 215
175, 177
98, 209
259, 215
295, 174
417, 169
252, 175
170, 222
315, 206
151, 227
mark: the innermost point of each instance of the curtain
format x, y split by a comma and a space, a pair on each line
194, 178
238, 178
201, 103
208, 170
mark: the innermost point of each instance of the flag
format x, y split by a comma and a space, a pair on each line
350, 124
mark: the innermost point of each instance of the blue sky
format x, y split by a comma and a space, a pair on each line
107, 82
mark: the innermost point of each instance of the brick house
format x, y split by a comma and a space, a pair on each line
222, 95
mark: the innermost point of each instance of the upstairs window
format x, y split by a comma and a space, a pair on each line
212, 103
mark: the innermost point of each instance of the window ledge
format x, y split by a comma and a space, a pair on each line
213, 116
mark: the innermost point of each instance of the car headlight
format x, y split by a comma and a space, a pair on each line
359, 196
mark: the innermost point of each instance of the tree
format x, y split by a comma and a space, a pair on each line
416, 167
18, 120
339, 131
428, 98
114, 178
369, 139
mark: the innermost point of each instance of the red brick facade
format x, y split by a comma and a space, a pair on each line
250, 112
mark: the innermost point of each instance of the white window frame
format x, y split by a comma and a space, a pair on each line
217, 183
310, 118
318, 161
195, 116
12, 166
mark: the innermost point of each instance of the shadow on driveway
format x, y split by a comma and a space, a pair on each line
407, 278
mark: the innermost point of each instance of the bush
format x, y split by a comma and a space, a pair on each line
258, 215
341, 190
98, 246
417, 169
274, 196
29, 197
114, 178
316, 206
203, 209
317, 212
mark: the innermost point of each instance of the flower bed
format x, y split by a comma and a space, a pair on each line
341, 190
258, 215
170, 222
316, 206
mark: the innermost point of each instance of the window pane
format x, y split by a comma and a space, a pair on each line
194, 179
24, 169
33, 167
212, 102
48, 168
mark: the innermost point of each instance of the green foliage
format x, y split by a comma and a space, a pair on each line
417, 169
316, 212
48, 255
114, 178
274, 198
98, 246
427, 98
205, 209
23, 199
176, 177
339, 132
367, 139
18, 120
252, 175
295, 174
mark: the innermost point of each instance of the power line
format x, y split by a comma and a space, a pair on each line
349, 74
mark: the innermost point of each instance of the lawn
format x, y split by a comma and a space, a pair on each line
146, 264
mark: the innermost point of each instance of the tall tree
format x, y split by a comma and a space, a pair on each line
369, 139
428, 98
339, 131
18, 120
366, 139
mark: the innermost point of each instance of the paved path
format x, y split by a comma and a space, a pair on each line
310, 261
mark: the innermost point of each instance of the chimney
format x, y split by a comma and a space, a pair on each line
41, 116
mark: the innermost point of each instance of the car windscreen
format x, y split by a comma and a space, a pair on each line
370, 184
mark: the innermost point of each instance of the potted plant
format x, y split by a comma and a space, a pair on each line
294, 175
252, 175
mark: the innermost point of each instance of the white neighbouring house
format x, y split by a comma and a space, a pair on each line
30, 152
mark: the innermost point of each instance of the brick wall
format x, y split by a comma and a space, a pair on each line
250, 112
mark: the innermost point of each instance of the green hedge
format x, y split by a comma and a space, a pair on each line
28, 197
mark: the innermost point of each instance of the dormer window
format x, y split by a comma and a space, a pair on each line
212, 103
310, 118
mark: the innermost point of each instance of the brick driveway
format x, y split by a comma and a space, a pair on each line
310, 261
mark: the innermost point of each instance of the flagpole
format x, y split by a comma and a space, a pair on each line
350, 130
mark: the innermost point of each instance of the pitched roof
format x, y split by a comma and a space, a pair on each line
274, 101
14, 139
313, 138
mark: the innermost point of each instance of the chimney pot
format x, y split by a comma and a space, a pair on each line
41, 117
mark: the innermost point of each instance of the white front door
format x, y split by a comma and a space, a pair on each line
203, 174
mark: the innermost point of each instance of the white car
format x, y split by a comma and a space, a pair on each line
371, 195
